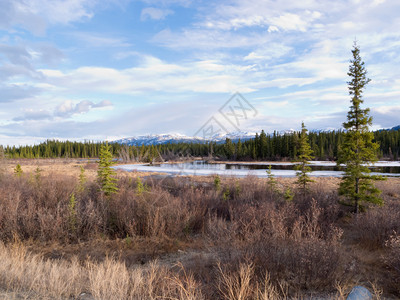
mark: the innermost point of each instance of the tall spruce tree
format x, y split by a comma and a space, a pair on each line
105, 173
358, 150
304, 156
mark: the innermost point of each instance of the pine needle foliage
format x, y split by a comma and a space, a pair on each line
140, 188
82, 180
72, 213
105, 173
304, 156
37, 175
18, 170
358, 150
272, 183
217, 182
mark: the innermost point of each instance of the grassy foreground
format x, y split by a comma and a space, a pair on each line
186, 238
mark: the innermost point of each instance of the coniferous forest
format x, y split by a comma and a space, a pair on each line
274, 146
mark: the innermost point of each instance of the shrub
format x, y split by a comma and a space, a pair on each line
376, 226
392, 259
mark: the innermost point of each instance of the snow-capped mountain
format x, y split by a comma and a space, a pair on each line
396, 128
174, 138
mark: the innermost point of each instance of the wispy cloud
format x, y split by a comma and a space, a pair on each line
14, 92
154, 75
93, 39
36, 15
68, 108
154, 13
31, 114
65, 110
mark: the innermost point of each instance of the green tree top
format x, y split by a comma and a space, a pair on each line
358, 149
304, 156
357, 118
105, 173
18, 170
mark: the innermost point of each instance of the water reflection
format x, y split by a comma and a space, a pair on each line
316, 166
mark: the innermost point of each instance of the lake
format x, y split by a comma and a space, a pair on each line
238, 169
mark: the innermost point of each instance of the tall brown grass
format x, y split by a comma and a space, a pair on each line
376, 226
260, 245
392, 260
21, 271
37, 278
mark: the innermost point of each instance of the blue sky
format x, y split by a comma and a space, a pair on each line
106, 69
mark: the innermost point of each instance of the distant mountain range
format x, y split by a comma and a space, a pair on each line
396, 128
174, 138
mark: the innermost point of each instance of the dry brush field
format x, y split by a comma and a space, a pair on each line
186, 238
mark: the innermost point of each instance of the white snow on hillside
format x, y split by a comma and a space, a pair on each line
157, 139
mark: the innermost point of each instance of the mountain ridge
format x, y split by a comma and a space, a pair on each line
175, 138
157, 139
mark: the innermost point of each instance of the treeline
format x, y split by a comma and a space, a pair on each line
276, 146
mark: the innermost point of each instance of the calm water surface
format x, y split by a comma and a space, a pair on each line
285, 169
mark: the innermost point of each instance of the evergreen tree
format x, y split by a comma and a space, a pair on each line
229, 148
72, 213
82, 180
18, 170
239, 150
38, 175
140, 188
217, 182
358, 151
105, 173
272, 183
304, 156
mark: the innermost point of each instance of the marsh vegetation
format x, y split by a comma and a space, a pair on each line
186, 238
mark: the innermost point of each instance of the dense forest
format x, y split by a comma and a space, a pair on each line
276, 146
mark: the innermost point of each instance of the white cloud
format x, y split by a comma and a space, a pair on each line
14, 92
290, 21
155, 13
17, 61
68, 108
269, 51
154, 75
184, 3
272, 28
386, 116
274, 15
65, 110
31, 114
36, 15
205, 39
93, 39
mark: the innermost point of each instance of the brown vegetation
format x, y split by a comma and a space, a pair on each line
181, 238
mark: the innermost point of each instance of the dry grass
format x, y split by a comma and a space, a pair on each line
252, 243
392, 260
240, 285
36, 278
59, 166
28, 276
21, 271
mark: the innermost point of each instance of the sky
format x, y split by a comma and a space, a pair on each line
108, 69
